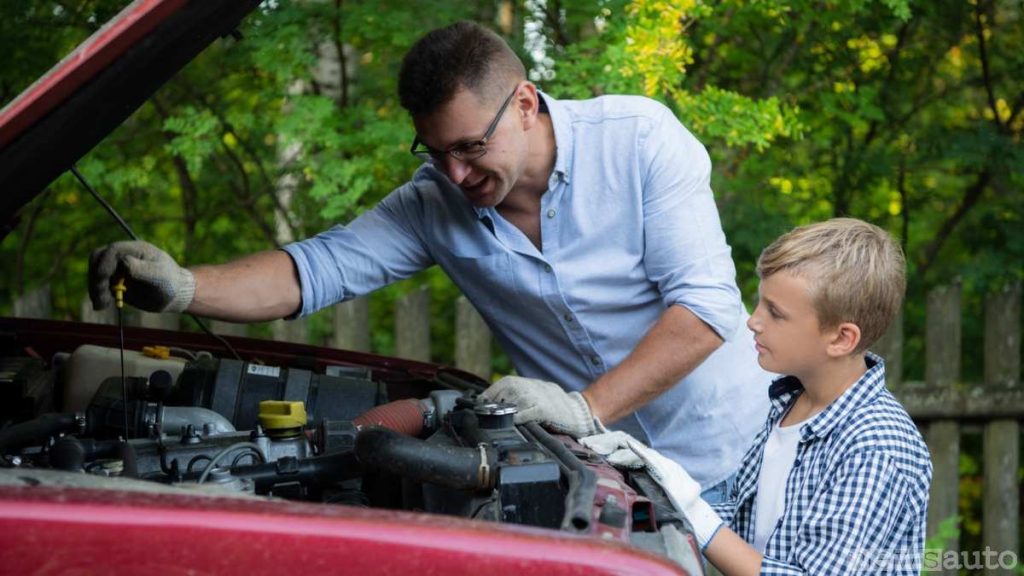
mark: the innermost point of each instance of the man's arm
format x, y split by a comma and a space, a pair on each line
670, 350
255, 288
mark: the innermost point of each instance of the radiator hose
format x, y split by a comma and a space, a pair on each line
458, 467
36, 431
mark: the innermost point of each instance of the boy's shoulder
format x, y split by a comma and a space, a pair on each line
883, 425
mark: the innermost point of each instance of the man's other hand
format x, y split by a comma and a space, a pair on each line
547, 403
154, 281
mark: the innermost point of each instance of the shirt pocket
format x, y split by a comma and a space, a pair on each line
486, 280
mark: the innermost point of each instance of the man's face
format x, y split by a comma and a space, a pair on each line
786, 330
487, 180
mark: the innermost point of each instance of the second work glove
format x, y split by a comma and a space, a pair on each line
547, 403
154, 281
623, 450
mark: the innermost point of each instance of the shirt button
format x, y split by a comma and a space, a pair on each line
551, 213
547, 268
595, 360
568, 317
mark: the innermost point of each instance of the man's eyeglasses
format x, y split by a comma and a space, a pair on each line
463, 150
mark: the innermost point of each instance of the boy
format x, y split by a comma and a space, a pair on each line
837, 480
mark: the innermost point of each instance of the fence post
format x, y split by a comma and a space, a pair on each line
296, 331
34, 303
942, 371
222, 328
472, 340
352, 325
159, 321
412, 325
108, 316
890, 348
1001, 512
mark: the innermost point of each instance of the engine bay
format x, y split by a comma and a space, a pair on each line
335, 434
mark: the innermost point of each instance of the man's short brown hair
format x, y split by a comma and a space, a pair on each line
856, 272
461, 55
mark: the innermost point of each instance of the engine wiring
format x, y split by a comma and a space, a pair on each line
220, 455
131, 233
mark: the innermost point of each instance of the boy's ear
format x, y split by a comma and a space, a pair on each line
845, 339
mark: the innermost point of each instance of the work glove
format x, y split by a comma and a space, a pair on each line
154, 282
547, 403
621, 449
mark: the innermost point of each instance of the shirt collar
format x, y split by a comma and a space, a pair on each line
563, 146
867, 388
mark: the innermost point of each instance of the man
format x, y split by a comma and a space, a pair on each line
585, 233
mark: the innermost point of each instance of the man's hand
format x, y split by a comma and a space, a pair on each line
547, 403
621, 449
154, 280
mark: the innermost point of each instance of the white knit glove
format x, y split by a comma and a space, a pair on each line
547, 403
621, 449
154, 281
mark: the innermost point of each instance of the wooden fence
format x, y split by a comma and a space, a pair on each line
945, 408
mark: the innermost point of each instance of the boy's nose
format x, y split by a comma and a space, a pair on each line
754, 326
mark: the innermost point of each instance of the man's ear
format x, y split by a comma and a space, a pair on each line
527, 104
845, 339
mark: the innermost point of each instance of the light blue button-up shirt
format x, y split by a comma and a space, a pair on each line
629, 227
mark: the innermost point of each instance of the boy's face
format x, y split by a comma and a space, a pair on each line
786, 330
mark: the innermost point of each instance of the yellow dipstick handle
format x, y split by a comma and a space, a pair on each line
119, 290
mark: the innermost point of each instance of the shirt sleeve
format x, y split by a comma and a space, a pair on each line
381, 246
849, 523
686, 253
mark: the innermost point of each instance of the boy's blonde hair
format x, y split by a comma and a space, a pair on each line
855, 270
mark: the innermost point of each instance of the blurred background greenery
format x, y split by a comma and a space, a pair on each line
907, 114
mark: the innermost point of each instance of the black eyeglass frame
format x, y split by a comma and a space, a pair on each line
464, 150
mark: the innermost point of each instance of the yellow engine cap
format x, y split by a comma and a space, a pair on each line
282, 415
161, 352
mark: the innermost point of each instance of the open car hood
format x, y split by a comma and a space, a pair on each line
60, 117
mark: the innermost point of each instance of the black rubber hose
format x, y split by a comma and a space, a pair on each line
36, 431
579, 502
320, 470
456, 467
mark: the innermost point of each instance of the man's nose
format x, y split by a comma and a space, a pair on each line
456, 170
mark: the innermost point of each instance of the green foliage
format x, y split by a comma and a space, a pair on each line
905, 114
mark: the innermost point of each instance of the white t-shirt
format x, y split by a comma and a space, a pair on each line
777, 462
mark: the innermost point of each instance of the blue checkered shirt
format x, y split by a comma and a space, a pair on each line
857, 496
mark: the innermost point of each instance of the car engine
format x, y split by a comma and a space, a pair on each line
338, 436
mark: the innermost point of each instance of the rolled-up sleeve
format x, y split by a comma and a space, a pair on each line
686, 253
379, 247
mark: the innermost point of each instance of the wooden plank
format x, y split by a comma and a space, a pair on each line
973, 402
1002, 338
223, 328
158, 321
943, 440
352, 325
1001, 506
296, 331
942, 372
472, 340
890, 347
942, 339
34, 303
412, 325
87, 314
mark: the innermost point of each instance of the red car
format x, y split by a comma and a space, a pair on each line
236, 455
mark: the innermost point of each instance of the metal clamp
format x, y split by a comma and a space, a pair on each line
484, 472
